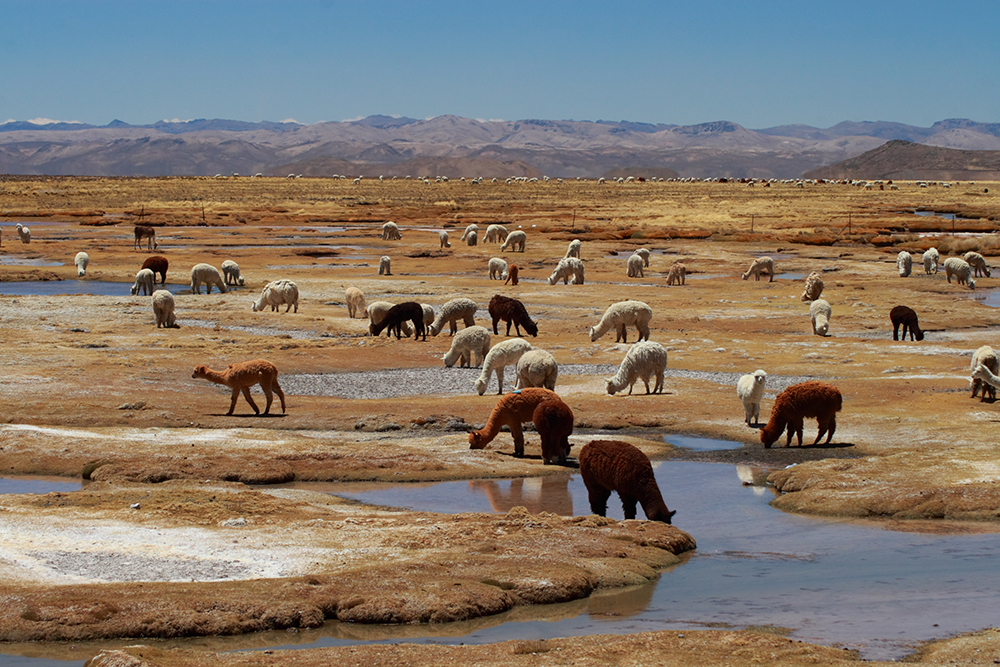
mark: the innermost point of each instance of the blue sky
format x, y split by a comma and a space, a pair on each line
758, 64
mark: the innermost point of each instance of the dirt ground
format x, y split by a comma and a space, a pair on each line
91, 387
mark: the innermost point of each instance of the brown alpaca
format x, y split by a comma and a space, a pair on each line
613, 465
145, 232
244, 375
905, 316
511, 275
511, 311
394, 318
157, 264
511, 410
807, 399
554, 422
677, 275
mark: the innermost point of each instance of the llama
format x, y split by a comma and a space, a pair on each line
157, 264
537, 368
553, 420
511, 275
511, 410
807, 399
905, 316
814, 287
163, 309
614, 466
677, 275
759, 266
501, 355
621, 315
987, 358
241, 376
355, 301
393, 320
750, 389
513, 312
644, 360
144, 232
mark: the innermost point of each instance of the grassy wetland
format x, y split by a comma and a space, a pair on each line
181, 530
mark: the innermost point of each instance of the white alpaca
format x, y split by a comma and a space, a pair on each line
163, 309
443, 236
759, 266
904, 263
750, 389
468, 230
644, 253
144, 281
953, 266
495, 234
568, 267
207, 274
633, 267
472, 238
978, 264
390, 232
498, 269
819, 312
677, 275
643, 361
23, 233
385, 266
231, 272
574, 249
621, 315
931, 259
814, 287
355, 301
515, 241
500, 356
277, 293
469, 346
984, 360
81, 260
537, 368
452, 311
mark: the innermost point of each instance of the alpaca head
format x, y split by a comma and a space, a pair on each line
593, 334
199, 372
759, 377
767, 437
663, 515
480, 386
972, 284
476, 440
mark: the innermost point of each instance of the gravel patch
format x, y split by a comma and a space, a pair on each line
108, 566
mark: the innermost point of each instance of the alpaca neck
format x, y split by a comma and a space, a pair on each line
989, 377
216, 376
493, 424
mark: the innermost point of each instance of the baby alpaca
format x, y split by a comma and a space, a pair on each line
511, 410
750, 389
240, 377
613, 465
814, 287
819, 312
904, 315
511, 275
807, 399
677, 275
984, 357
554, 422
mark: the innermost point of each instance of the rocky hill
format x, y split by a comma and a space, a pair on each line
905, 160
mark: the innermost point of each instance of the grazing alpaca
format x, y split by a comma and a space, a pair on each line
814, 287
904, 315
807, 399
511, 275
613, 465
242, 376
511, 410
984, 357
554, 422
759, 266
163, 309
677, 275
983, 375
157, 264
513, 312
355, 301
144, 232
393, 320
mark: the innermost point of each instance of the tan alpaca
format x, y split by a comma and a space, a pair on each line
513, 410
244, 375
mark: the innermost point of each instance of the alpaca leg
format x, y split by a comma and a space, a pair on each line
470, 320
232, 403
246, 395
643, 332
281, 394
823, 425
496, 321
623, 332
832, 427
269, 395
518, 435
645, 381
500, 381
798, 429
628, 505
895, 332
658, 389
509, 322
598, 496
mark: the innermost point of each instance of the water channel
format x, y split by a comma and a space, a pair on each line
838, 583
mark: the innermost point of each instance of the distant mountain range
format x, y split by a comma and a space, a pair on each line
904, 160
454, 146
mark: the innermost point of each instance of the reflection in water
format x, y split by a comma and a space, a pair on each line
756, 478
546, 494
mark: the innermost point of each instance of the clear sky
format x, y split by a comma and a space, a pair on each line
756, 63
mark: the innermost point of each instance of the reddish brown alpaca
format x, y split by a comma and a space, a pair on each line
613, 465
244, 375
511, 275
157, 264
511, 410
554, 422
807, 399
513, 312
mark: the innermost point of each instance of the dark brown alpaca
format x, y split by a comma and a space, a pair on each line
904, 315
807, 399
145, 232
554, 422
242, 376
511, 275
613, 465
157, 264
511, 410
394, 318
513, 312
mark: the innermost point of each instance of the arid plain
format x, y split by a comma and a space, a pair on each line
90, 384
